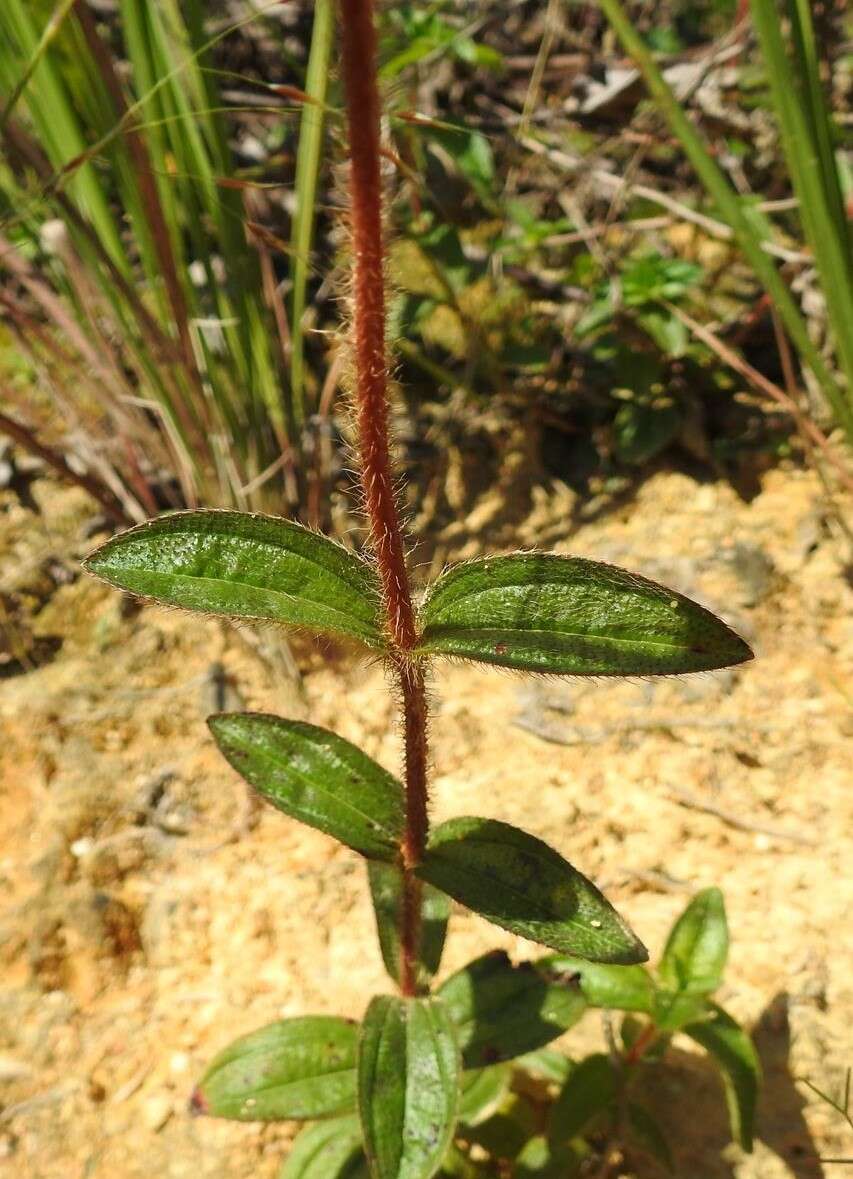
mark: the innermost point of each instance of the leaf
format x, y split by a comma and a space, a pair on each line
296, 1068
386, 890
645, 1130
501, 1011
482, 1091
655, 277
619, 988
673, 1009
408, 1086
566, 615
546, 1063
734, 1052
245, 566
670, 334
642, 431
520, 883
327, 1150
695, 955
590, 1090
505, 1132
317, 777
543, 1160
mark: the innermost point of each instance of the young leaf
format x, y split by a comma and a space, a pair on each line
297, 1068
695, 955
732, 1049
648, 1135
673, 1009
541, 1159
505, 1132
546, 1063
523, 885
386, 890
245, 566
501, 1011
482, 1091
327, 1150
317, 777
590, 1090
408, 1086
565, 615
620, 988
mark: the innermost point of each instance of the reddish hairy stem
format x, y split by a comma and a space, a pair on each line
358, 37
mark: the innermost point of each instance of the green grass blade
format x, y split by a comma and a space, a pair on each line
729, 205
51, 29
806, 141
308, 157
52, 112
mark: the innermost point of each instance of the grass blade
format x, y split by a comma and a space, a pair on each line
308, 157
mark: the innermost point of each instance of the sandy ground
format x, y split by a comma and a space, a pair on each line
144, 921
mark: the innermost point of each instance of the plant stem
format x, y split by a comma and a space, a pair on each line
358, 37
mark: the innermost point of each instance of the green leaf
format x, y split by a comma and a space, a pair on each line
482, 1091
297, 1068
386, 890
245, 566
408, 1086
327, 1150
543, 1160
566, 615
317, 777
655, 277
546, 1063
504, 1134
670, 334
734, 1052
647, 1133
620, 988
673, 1009
590, 1090
520, 883
501, 1011
695, 955
642, 431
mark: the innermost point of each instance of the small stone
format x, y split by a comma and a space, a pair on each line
157, 1111
12, 1069
179, 1062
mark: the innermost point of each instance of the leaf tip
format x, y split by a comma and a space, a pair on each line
634, 955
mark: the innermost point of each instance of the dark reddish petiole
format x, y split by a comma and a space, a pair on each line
358, 36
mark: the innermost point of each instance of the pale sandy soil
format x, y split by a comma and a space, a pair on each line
137, 936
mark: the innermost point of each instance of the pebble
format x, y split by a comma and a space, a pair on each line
157, 1111
13, 1070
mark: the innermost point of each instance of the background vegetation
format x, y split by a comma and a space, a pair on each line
628, 276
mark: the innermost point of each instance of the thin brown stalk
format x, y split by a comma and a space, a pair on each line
804, 424
358, 34
25, 437
144, 178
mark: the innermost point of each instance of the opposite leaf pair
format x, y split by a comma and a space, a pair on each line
511, 878
529, 611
